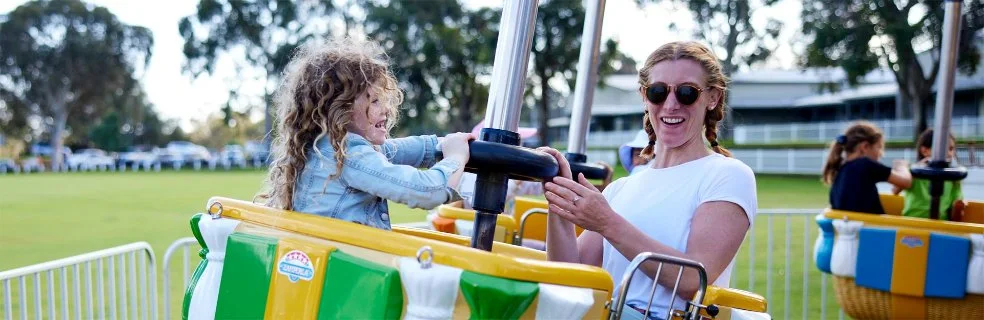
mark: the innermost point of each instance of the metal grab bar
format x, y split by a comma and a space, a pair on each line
693, 306
518, 237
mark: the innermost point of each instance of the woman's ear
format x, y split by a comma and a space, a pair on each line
715, 98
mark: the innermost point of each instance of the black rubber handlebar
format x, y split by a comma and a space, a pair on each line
522, 163
518, 162
936, 173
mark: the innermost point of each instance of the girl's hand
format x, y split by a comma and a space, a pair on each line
455, 146
580, 203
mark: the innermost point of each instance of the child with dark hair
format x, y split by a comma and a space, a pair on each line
852, 169
917, 196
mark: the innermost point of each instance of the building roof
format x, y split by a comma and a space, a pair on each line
808, 76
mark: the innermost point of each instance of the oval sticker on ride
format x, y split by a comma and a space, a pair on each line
296, 265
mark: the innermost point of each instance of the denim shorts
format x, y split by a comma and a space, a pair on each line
633, 313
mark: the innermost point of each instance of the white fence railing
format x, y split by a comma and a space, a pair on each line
961, 127
125, 286
805, 291
185, 245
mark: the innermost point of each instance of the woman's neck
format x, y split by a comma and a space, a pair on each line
689, 151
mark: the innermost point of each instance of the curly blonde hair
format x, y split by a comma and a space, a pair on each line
315, 101
716, 79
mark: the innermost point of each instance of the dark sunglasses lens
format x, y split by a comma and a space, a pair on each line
657, 93
687, 94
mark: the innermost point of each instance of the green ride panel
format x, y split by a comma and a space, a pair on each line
358, 289
246, 275
495, 298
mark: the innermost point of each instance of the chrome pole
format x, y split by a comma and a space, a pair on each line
509, 69
944, 86
587, 76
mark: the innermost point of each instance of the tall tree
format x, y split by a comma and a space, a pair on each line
556, 49
727, 26
260, 35
62, 58
439, 51
860, 36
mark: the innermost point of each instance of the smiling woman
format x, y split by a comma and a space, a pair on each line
694, 201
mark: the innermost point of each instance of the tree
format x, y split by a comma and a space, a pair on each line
438, 51
216, 132
62, 58
262, 33
727, 26
130, 121
556, 50
860, 36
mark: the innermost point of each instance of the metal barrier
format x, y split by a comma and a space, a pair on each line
747, 261
184, 244
690, 312
126, 273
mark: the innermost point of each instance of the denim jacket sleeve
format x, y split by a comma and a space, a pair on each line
370, 171
416, 151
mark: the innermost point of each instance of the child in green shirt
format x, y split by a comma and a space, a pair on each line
917, 197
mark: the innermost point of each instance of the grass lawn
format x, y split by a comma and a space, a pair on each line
50, 216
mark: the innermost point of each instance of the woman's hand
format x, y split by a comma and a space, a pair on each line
564, 167
580, 203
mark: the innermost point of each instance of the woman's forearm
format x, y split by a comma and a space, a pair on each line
561, 240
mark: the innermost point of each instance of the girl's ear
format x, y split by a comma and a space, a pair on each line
864, 147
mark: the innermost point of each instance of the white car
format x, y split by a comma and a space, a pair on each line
189, 153
234, 155
138, 157
87, 159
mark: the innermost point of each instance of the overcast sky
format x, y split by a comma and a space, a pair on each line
177, 96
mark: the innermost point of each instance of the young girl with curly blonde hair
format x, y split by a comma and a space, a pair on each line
331, 156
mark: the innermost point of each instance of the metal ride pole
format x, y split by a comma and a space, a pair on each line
509, 69
939, 164
587, 76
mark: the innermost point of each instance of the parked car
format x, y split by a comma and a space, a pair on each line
188, 153
86, 159
257, 152
140, 156
8, 165
234, 155
32, 164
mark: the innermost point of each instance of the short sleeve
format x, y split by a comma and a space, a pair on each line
879, 172
734, 182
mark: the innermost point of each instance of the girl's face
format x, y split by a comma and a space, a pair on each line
951, 151
677, 123
874, 151
369, 118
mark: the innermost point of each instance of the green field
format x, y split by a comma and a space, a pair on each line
50, 216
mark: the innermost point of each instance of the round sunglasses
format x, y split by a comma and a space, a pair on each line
685, 93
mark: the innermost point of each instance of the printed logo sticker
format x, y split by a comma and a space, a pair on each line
296, 265
911, 242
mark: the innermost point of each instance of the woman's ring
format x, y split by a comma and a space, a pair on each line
576, 198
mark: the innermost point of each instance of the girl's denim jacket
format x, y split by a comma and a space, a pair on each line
370, 176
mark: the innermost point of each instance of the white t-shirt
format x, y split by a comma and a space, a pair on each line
662, 203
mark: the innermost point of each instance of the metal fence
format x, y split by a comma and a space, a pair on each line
961, 127
185, 246
788, 277
125, 286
